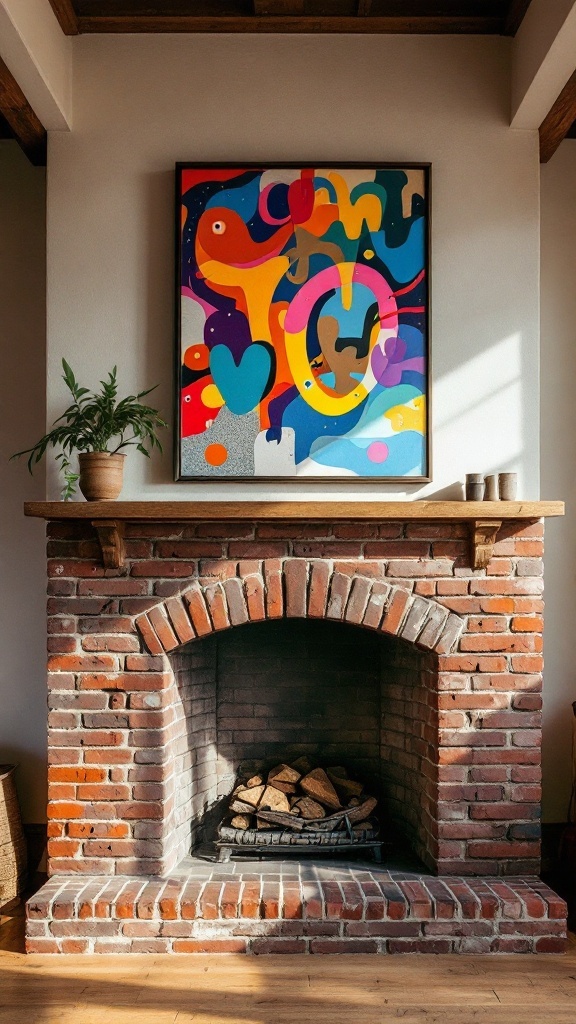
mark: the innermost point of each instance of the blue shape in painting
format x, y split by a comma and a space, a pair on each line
350, 321
311, 427
404, 261
243, 200
241, 385
406, 452
413, 339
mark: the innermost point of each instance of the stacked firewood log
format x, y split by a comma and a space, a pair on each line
299, 797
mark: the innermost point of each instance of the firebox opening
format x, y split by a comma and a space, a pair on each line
272, 692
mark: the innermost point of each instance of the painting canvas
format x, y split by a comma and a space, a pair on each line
302, 347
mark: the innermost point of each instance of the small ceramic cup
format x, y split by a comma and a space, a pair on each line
474, 487
491, 487
507, 486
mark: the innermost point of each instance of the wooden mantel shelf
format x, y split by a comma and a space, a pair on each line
178, 511
108, 517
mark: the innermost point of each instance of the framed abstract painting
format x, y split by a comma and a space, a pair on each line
302, 322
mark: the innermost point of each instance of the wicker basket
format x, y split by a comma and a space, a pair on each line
12, 842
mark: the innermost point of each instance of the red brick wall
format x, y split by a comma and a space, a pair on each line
409, 745
291, 687
116, 710
195, 752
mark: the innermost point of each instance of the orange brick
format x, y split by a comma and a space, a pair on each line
486, 642
318, 592
527, 663
179, 619
254, 588
497, 605
121, 755
61, 791
528, 606
447, 588
148, 635
274, 593
62, 847
64, 810
162, 628
527, 624
295, 579
194, 599
470, 663
56, 774
426, 588
487, 624
74, 945
97, 830
81, 663
217, 607
104, 792
209, 945
395, 611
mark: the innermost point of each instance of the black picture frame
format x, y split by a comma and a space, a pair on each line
406, 481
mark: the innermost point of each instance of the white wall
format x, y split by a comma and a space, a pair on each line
558, 450
142, 103
23, 405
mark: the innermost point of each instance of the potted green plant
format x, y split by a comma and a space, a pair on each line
91, 426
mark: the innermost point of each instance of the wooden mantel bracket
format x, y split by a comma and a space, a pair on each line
482, 539
110, 533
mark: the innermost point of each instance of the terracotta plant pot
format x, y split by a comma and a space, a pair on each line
101, 475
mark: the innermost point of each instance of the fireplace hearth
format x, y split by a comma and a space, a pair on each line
368, 644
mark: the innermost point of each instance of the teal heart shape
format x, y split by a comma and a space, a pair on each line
242, 387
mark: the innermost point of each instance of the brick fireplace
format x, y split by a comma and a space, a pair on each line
370, 640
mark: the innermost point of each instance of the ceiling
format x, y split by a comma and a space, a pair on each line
463, 17
495, 17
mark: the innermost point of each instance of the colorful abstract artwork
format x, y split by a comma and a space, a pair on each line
302, 322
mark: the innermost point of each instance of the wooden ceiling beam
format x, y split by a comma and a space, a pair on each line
279, 8
28, 131
558, 121
517, 11
5, 129
64, 11
310, 23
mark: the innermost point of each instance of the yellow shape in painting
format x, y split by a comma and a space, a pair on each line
411, 416
368, 254
346, 271
211, 397
258, 284
366, 208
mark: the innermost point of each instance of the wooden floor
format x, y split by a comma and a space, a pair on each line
281, 989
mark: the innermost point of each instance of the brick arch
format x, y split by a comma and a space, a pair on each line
296, 588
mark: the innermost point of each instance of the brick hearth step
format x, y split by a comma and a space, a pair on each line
295, 908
